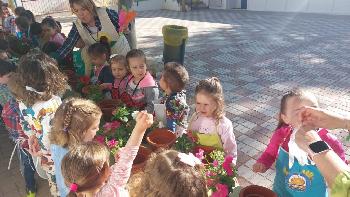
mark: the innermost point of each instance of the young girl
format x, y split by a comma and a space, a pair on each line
86, 168
142, 90
209, 123
120, 73
101, 74
35, 86
51, 31
75, 121
173, 82
296, 179
9, 24
170, 174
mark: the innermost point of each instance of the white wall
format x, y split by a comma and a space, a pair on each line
311, 6
170, 5
218, 4
148, 5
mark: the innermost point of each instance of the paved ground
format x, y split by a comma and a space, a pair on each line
257, 56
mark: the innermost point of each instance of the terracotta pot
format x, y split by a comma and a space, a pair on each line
161, 138
107, 107
141, 159
256, 191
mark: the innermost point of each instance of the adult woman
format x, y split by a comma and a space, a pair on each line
333, 169
92, 24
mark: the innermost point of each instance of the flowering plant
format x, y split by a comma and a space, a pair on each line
220, 174
186, 142
93, 92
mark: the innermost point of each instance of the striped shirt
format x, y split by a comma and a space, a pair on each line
74, 36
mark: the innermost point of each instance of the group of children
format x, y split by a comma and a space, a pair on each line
55, 137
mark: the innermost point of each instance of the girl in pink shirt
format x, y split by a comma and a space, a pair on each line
51, 31
209, 123
86, 169
278, 150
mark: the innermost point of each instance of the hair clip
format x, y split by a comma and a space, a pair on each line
73, 187
34, 90
189, 159
65, 129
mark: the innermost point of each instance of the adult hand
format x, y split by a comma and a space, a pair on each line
320, 118
304, 137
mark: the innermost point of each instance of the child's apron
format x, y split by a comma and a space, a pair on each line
210, 139
119, 44
299, 181
133, 97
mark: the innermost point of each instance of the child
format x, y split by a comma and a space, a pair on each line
19, 11
173, 82
120, 73
10, 116
169, 174
35, 86
9, 19
209, 123
287, 177
86, 168
99, 55
6, 69
142, 90
50, 30
23, 27
75, 121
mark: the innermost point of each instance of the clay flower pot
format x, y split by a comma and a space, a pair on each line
107, 107
256, 191
141, 159
161, 138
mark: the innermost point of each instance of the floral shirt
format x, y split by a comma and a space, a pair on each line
176, 109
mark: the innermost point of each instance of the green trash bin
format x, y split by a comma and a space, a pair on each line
175, 38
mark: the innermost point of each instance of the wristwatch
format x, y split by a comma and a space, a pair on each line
318, 147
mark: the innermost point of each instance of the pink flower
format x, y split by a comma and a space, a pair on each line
227, 165
112, 143
200, 154
221, 190
111, 125
100, 139
210, 182
210, 173
122, 19
215, 163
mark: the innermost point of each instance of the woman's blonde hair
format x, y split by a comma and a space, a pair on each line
71, 121
86, 4
212, 87
166, 175
37, 78
87, 166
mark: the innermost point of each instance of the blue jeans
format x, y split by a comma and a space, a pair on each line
27, 169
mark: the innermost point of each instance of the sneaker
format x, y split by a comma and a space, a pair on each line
30, 194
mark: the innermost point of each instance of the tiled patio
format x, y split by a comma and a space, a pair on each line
257, 56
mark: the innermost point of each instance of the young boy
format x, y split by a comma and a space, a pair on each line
173, 82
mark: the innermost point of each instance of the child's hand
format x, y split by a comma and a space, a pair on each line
143, 121
259, 167
105, 86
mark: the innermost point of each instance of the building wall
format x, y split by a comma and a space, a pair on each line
310, 6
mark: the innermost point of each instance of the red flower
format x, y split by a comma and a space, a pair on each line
221, 190
85, 80
111, 125
210, 182
112, 143
100, 139
227, 165
200, 154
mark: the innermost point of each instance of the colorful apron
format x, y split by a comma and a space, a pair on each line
299, 181
133, 97
119, 44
